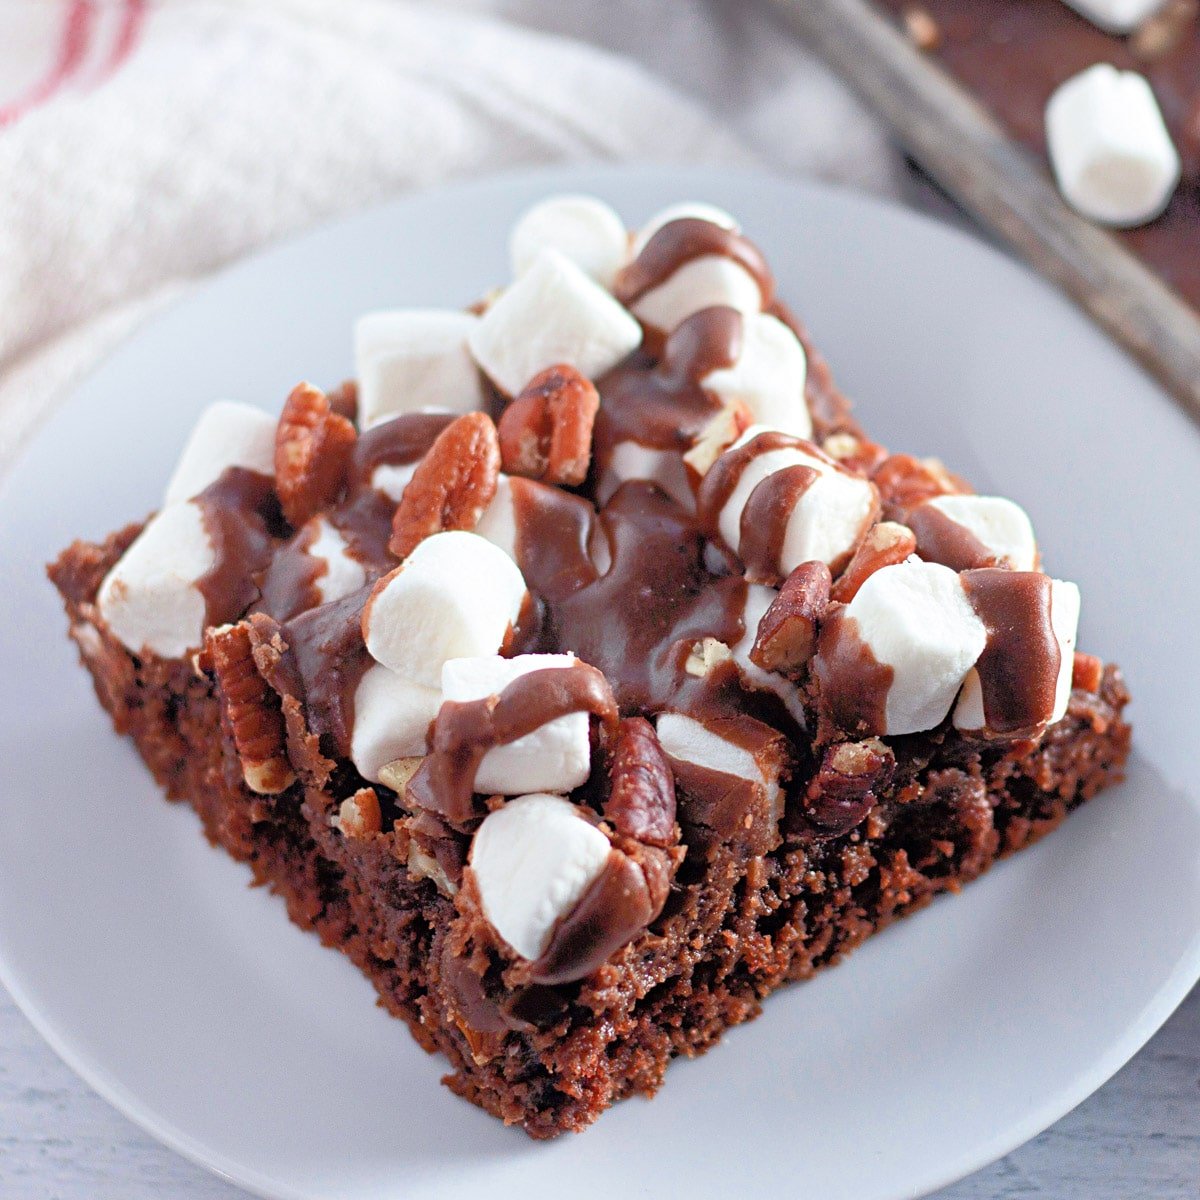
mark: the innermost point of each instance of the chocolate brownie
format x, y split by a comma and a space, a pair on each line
583, 671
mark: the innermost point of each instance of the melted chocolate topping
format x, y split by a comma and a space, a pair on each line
290, 584
765, 518
1018, 670
942, 540
854, 683
239, 512
679, 242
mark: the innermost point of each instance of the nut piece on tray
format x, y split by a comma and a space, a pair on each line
582, 670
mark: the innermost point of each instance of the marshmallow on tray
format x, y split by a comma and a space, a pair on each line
1112, 155
893, 660
391, 720
455, 596
150, 599
415, 360
583, 228
556, 757
963, 532
1116, 16
227, 435
553, 314
822, 519
533, 860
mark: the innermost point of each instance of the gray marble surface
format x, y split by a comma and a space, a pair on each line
1139, 1136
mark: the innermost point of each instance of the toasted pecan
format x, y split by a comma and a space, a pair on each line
546, 432
451, 486
904, 482
787, 633
313, 444
885, 545
250, 709
641, 796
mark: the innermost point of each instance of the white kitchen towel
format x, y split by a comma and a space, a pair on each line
143, 144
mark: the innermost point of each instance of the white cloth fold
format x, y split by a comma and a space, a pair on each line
230, 124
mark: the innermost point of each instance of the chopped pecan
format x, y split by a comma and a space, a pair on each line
885, 545
904, 482
706, 655
1087, 672
398, 772
451, 486
846, 784
546, 432
359, 815
251, 710
787, 633
1161, 32
641, 797
923, 31
853, 452
313, 444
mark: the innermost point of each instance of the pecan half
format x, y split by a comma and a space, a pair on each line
641, 797
885, 545
787, 633
546, 432
904, 481
313, 444
844, 788
451, 486
251, 710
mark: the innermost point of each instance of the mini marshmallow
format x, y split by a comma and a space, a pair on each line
415, 360
829, 518
343, 574
1112, 155
969, 713
631, 460
391, 720
704, 282
554, 313
455, 596
1116, 16
768, 378
227, 435
533, 860
689, 209
583, 228
556, 757
999, 525
392, 478
150, 600
915, 617
498, 522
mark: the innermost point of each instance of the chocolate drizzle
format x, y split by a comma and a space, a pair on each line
464, 732
764, 520
680, 242
943, 540
290, 585
854, 683
1018, 669
240, 513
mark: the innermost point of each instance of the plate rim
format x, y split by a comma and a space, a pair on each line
1169, 994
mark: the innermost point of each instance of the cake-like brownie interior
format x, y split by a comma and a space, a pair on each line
735, 776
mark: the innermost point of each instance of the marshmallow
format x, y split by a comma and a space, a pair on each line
556, 757
391, 720
1064, 620
915, 618
455, 596
830, 515
632, 460
705, 282
1001, 527
498, 522
552, 314
227, 435
150, 600
533, 860
689, 209
583, 228
1116, 16
1112, 155
343, 574
969, 714
768, 377
392, 478
415, 360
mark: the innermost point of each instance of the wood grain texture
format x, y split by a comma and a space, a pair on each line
999, 183
1139, 1136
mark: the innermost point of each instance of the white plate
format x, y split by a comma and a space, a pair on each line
192, 1004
